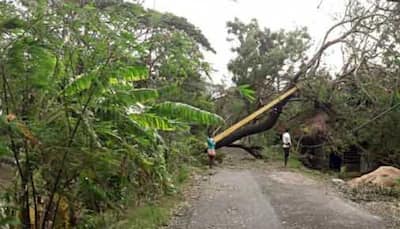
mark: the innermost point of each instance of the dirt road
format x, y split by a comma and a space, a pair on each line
260, 196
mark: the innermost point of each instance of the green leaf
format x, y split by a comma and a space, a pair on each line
4, 150
144, 94
80, 84
42, 67
186, 113
11, 23
106, 129
28, 60
397, 96
144, 163
154, 122
168, 90
132, 74
396, 100
130, 126
133, 96
397, 61
7, 221
246, 92
3, 121
140, 159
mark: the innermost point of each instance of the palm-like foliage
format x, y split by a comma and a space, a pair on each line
75, 115
186, 113
246, 92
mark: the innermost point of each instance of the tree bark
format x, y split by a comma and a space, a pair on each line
250, 129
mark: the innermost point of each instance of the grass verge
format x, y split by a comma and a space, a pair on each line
154, 214
275, 154
151, 215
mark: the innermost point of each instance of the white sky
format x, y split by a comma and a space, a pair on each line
211, 17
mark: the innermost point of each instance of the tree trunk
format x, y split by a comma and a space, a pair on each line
250, 129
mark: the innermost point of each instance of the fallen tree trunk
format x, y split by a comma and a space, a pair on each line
261, 126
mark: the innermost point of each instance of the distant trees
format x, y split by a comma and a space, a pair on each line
265, 60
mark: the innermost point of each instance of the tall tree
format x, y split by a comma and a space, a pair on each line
265, 60
74, 112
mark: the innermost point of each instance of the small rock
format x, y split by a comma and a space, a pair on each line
337, 181
179, 214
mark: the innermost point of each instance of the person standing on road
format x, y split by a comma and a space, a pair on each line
287, 142
211, 151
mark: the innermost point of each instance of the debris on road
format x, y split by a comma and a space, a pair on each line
337, 181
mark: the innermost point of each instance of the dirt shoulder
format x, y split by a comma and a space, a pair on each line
379, 201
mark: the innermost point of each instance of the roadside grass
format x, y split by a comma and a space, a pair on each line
151, 215
274, 154
154, 214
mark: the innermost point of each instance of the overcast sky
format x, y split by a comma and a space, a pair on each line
211, 17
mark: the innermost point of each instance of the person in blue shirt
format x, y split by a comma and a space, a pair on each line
211, 151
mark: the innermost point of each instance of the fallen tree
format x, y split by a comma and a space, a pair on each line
268, 122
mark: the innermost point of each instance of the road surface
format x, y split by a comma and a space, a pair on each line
260, 196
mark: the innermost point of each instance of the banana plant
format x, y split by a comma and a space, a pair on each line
78, 114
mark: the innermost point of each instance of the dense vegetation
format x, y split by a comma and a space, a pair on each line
93, 108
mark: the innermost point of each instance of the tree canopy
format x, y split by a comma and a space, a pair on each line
87, 105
